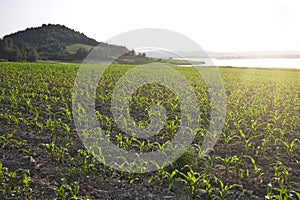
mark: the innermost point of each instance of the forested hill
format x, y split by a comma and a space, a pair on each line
52, 42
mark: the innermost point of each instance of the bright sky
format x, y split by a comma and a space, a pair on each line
216, 25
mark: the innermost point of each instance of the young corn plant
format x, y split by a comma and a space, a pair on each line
36, 122
256, 169
11, 186
248, 141
281, 174
13, 99
88, 160
281, 193
2, 95
7, 140
26, 182
264, 143
227, 138
192, 180
58, 153
68, 130
165, 175
53, 126
290, 147
238, 164
225, 163
222, 190
66, 191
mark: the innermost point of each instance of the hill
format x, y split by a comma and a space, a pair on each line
53, 42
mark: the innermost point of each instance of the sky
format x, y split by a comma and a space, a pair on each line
216, 25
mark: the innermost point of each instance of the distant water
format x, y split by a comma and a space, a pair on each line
257, 62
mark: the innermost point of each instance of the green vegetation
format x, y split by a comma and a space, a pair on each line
52, 42
256, 157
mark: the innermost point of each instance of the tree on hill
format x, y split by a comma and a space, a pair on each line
32, 55
80, 54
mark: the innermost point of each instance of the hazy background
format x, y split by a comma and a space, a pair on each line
231, 25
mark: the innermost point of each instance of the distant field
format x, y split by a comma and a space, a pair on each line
42, 157
72, 49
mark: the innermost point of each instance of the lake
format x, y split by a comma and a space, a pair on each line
257, 62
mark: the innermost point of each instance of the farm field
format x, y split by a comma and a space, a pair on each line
42, 156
